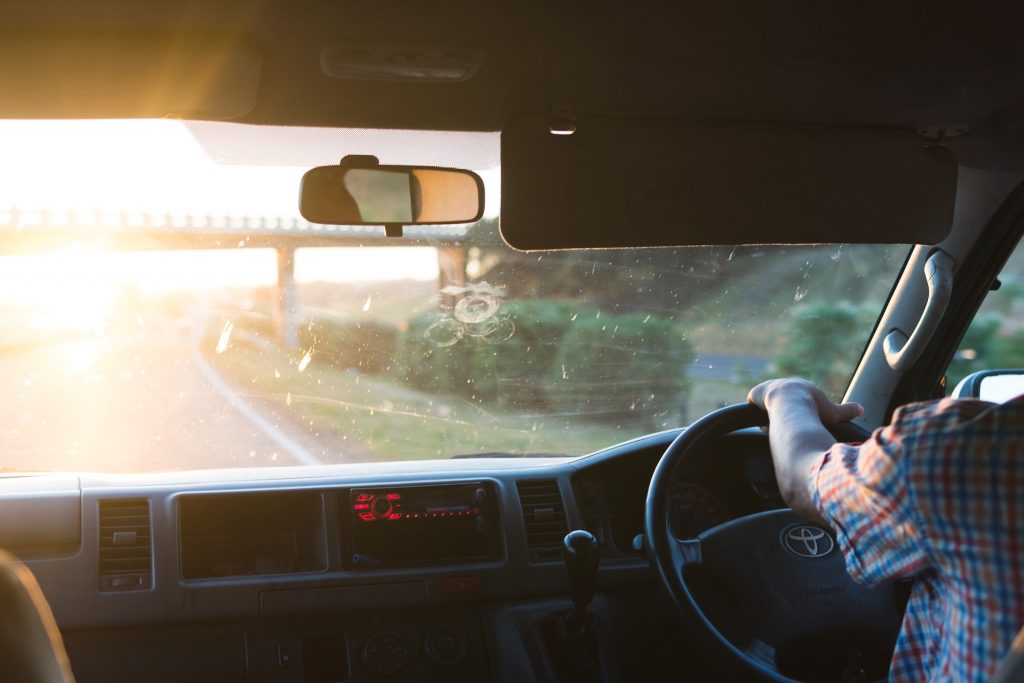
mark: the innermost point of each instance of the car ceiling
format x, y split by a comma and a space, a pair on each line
867, 63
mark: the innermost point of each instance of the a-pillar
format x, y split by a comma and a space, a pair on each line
285, 309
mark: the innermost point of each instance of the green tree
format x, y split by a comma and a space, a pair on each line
622, 368
818, 346
976, 351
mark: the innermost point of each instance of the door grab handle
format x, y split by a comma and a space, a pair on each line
900, 350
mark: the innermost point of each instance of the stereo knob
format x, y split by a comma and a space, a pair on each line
445, 645
381, 508
479, 497
385, 653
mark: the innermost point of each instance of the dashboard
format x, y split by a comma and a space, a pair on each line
386, 571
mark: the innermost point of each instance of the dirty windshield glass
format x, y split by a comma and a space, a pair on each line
164, 307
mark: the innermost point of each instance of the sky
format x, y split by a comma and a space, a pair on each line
151, 166
157, 166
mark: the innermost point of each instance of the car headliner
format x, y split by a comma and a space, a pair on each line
870, 63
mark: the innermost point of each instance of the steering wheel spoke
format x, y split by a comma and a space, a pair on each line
687, 552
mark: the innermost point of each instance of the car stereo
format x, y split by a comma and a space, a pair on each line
406, 525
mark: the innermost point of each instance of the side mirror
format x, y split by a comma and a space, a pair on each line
996, 386
351, 194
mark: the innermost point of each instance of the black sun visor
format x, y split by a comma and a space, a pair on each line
621, 182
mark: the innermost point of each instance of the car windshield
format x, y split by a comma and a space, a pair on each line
165, 307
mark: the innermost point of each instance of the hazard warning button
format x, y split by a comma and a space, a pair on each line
460, 585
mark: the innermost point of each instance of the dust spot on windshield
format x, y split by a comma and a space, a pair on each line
476, 308
369, 302
470, 311
225, 337
304, 363
444, 332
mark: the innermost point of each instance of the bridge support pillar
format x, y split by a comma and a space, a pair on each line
451, 262
285, 304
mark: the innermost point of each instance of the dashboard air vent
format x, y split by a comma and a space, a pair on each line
544, 517
126, 556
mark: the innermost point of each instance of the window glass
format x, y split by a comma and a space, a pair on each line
995, 338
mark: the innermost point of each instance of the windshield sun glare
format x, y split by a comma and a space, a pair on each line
165, 309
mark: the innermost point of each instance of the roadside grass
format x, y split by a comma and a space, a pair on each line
393, 422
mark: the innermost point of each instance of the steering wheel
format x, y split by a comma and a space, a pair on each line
767, 593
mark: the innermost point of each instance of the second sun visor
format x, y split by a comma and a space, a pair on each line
624, 182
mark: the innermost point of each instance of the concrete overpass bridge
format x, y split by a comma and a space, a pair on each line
24, 232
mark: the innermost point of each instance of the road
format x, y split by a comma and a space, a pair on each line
144, 399
728, 368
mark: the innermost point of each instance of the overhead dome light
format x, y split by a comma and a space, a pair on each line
563, 120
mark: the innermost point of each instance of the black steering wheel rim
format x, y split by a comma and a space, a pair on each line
665, 551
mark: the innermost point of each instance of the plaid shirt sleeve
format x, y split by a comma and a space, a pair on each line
870, 494
937, 495
862, 492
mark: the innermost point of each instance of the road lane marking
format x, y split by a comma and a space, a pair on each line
288, 444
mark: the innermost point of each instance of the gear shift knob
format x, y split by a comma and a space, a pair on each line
581, 559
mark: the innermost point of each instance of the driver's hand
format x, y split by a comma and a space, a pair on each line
800, 414
774, 393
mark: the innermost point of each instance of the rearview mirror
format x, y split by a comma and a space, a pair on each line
390, 195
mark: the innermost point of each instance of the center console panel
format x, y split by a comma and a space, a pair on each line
227, 535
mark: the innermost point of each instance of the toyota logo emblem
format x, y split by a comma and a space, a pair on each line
804, 540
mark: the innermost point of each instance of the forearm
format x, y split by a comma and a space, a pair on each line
798, 412
798, 440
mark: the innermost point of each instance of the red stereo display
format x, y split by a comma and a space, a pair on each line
417, 503
421, 524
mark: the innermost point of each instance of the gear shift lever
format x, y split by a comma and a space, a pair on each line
581, 558
571, 637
